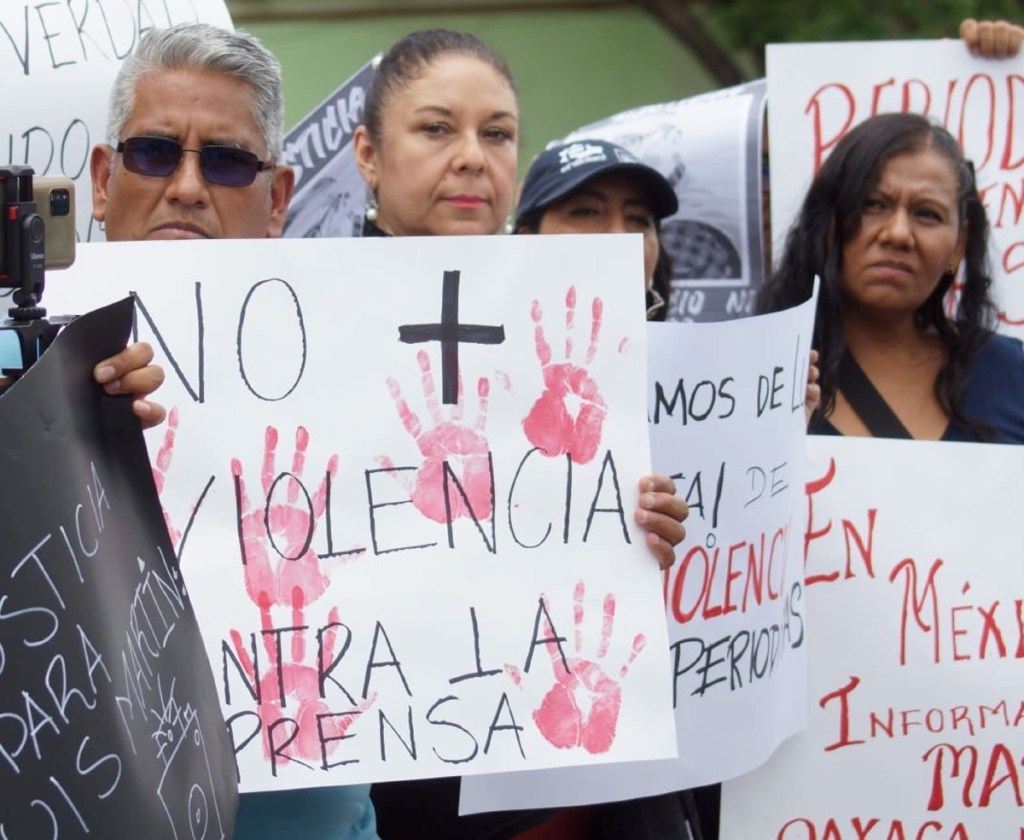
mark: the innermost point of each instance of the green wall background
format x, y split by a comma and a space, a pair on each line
571, 68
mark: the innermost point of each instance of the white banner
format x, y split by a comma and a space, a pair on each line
58, 62
402, 476
915, 589
726, 413
819, 91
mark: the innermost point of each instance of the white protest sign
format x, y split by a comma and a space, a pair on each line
58, 62
819, 91
727, 422
378, 572
915, 589
709, 149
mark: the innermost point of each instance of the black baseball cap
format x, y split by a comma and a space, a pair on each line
560, 170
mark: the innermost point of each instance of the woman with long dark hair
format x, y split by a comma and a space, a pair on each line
891, 221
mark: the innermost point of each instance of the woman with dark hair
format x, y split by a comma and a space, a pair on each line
890, 221
437, 145
438, 150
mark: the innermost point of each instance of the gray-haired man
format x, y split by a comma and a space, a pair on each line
195, 130
195, 126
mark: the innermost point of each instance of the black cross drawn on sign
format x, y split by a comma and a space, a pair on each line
450, 333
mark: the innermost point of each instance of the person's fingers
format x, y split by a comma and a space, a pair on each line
658, 497
986, 38
149, 413
1006, 39
133, 357
661, 514
665, 525
992, 38
657, 483
138, 383
812, 399
1014, 40
663, 552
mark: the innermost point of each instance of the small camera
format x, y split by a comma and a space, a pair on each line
60, 201
37, 231
55, 203
54, 199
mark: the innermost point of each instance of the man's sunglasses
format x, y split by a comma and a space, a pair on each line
158, 157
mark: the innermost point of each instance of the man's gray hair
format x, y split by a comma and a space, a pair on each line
199, 46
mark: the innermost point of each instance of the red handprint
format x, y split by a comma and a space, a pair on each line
464, 449
582, 708
164, 456
293, 578
301, 685
569, 415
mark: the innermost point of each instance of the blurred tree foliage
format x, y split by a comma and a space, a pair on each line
747, 25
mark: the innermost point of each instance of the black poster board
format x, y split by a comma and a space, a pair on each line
109, 720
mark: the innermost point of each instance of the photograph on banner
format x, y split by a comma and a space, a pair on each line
330, 195
406, 517
818, 92
727, 422
110, 724
58, 62
914, 590
709, 149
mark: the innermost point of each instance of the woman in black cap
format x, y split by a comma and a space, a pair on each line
592, 186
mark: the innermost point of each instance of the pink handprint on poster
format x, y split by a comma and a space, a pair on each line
292, 698
161, 470
281, 567
454, 453
161, 466
582, 708
569, 415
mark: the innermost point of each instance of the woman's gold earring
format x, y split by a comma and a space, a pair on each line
370, 212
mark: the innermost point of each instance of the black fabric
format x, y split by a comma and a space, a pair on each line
993, 397
670, 816
430, 808
707, 803
864, 399
371, 230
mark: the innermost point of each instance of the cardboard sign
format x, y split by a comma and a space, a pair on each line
402, 477
914, 597
109, 720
